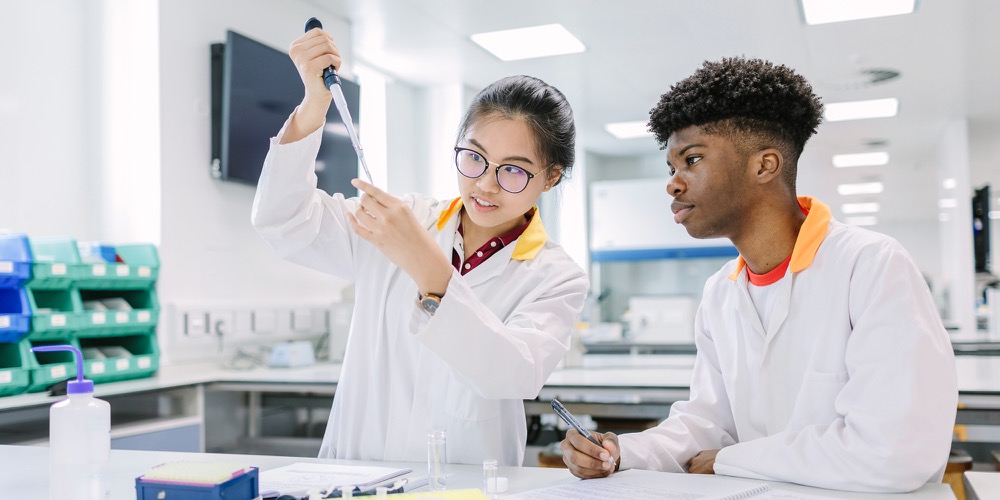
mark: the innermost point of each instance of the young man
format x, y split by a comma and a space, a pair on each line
821, 357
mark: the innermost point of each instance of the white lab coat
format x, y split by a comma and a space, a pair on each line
500, 330
852, 385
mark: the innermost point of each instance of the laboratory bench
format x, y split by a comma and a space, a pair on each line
26, 473
202, 407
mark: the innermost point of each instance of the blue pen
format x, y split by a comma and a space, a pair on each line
574, 423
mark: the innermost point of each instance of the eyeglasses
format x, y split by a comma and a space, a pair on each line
511, 178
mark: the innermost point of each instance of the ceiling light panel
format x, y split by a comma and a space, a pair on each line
860, 110
527, 43
860, 208
833, 11
860, 188
861, 159
628, 130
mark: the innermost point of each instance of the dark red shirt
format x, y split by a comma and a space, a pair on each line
489, 248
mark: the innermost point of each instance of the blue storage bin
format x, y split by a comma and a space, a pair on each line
93, 252
15, 314
15, 260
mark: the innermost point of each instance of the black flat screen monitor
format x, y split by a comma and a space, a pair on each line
981, 228
254, 89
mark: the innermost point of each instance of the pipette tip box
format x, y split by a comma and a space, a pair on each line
198, 481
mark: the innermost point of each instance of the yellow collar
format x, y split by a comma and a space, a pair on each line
811, 235
528, 244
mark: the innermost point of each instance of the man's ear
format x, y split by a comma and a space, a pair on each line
768, 164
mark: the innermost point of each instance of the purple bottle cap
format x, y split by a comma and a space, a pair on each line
80, 385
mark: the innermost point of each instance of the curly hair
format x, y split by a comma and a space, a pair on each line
754, 102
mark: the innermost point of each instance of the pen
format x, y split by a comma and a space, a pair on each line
574, 423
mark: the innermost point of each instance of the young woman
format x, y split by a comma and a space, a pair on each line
463, 307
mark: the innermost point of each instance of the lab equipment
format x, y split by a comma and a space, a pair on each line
332, 81
573, 422
80, 425
492, 485
437, 461
489, 476
198, 481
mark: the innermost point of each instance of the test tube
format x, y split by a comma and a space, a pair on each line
490, 477
437, 460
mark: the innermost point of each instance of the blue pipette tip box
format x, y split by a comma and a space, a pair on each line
190, 481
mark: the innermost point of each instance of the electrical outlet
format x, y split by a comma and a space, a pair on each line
302, 320
195, 324
222, 323
263, 321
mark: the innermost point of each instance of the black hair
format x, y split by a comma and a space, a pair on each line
754, 102
541, 106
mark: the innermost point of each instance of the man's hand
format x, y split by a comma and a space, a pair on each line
585, 459
703, 462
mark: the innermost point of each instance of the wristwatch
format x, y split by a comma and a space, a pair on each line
429, 302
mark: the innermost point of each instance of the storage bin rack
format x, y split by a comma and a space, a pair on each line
117, 333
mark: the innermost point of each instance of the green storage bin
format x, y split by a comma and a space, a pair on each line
48, 368
56, 264
144, 313
55, 313
15, 368
122, 357
140, 269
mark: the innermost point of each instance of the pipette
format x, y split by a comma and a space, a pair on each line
332, 82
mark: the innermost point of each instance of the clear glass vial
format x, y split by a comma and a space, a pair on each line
490, 477
437, 460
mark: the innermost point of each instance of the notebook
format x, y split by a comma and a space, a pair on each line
649, 485
300, 477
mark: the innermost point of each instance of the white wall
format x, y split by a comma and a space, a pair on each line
952, 157
48, 175
208, 245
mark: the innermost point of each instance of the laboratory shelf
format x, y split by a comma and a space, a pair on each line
118, 312
48, 368
55, 313
136, 266
15, 260
15, 314
15, 372
110, 359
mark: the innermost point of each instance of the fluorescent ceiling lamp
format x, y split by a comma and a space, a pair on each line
861, 159
832, 11
943, 217
860, 110
994, 214
947, 203
861, 220
526, 43
860, 208
628, 130
949, 183
860, 188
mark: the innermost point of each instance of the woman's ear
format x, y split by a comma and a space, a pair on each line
552, 177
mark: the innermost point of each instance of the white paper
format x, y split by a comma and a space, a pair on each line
300, 477
648, 485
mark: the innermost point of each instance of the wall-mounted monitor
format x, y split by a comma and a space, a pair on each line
254, 89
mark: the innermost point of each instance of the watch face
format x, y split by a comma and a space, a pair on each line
430, 305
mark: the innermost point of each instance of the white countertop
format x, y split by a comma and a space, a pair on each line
26, 474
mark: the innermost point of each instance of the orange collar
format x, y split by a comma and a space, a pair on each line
811, 235
528, 244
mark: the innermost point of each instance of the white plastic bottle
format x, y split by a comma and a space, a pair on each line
80, 425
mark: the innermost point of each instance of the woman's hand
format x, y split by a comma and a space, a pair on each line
312, 53
384, 221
